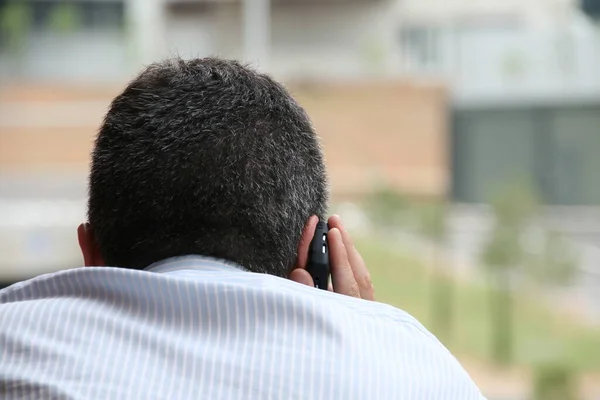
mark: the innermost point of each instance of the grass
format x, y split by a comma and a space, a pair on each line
540, 334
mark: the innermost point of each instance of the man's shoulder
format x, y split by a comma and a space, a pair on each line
332, 303
227, 285
228, 281
88, 282
117, 288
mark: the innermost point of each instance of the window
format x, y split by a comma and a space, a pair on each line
420, 46
90, 15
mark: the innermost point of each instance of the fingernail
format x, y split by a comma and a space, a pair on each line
341, 222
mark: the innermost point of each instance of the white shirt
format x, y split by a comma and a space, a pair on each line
195, 328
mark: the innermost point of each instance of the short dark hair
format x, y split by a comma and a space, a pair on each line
205, 157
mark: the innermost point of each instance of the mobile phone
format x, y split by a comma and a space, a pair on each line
318, 257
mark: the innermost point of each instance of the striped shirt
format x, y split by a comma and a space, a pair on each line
196, 328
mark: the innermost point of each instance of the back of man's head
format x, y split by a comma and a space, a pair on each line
205, 157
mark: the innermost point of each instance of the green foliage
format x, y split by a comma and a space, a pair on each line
514, 206
373, 53
503, 251
430, 219
502, 323
554, 382
513, 64
15, 23
556, 263
514, 203
65, 18
386, 207
442, 305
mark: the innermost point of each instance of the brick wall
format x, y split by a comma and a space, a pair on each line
42, 128
381, 132
372, 132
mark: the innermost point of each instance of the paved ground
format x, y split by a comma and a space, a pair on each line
469, 226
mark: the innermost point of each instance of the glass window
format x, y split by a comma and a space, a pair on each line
497, 148
420, 45
576, 164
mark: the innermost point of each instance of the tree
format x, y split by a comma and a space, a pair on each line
15, 24
431, 223
554, 382
514, 207
555, 263
65, 18
385, 207
507, 255
374, 54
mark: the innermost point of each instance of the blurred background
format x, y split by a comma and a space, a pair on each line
462, 139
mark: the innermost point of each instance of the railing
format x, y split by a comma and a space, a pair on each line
508, 61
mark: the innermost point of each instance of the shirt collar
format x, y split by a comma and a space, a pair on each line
193, 262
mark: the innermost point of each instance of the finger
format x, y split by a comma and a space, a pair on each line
341, 271
307, 236
302, 276
357, 263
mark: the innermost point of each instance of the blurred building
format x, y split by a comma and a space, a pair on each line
288, 37
436, 96
526, 93
44, 40
502, 49
484, 48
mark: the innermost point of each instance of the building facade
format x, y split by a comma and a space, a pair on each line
107, 40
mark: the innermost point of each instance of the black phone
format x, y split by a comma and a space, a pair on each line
318, 257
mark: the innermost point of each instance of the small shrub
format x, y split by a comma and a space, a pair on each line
385, 207
554, 381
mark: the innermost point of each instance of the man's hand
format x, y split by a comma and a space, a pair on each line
349, 273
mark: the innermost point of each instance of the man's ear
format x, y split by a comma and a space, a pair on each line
306, 237
89, 246
298, 272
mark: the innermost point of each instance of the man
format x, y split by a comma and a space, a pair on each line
206, 185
